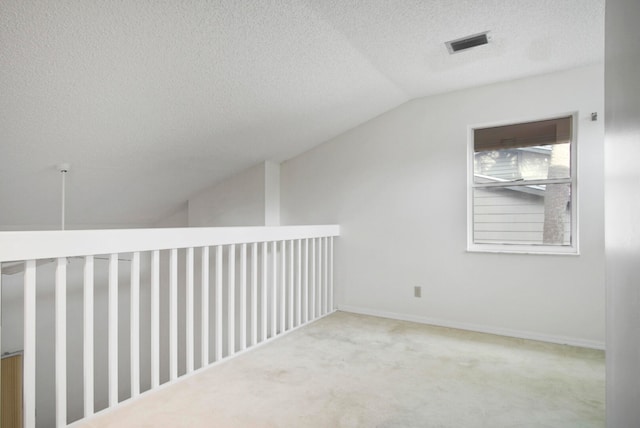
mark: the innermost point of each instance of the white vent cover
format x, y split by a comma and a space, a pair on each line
467, 42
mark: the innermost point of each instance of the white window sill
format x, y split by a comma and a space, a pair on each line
534, 250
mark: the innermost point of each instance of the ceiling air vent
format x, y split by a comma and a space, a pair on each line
467, 42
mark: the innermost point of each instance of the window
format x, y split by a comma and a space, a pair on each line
522, 191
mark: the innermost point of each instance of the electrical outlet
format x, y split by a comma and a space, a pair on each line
417, 291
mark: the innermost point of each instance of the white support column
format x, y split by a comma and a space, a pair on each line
29, 356
173, 314
189, 310
263, 288
155, 319
283, 286
113, 329
313, 278
243, 297
298, 281
218, 303
231, 301
305, 276
88, 336
274, 289
254, 293
61, 342
135, 324
331, 261
290, 306
204, 296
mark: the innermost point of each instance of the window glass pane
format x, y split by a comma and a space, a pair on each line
525, 163
533, 215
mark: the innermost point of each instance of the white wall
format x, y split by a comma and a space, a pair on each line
622, 203
397, 186
236, 201
271, 194
178, 219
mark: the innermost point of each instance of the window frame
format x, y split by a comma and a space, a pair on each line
572, 249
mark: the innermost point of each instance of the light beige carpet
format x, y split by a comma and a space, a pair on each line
358, 371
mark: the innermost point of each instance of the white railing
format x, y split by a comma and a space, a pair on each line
220, 290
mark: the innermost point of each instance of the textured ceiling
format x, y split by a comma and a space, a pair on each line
152, 101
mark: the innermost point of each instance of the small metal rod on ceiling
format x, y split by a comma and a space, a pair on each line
63, 168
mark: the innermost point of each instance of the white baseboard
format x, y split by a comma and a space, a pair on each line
583, 343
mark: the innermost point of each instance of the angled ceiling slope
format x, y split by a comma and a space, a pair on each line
154, 101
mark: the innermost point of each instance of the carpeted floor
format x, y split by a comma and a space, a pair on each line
349, 370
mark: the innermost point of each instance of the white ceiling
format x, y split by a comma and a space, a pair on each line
152, 101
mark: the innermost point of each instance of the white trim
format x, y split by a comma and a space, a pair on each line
541, 337
574, 248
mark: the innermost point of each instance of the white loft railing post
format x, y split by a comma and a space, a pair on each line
88, 335
173, 314
298, 281
29, 369
204, 328
306, 280
283, 286
218, 296
231, 301
243, 296
263, 288
274, 289
297, 276
254, 293
134, 315
290, 306
155, 319
61, 342
313, 278
189, 310
113, 329
331, 261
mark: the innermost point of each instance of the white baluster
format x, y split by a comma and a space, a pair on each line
263, 287
231, 301
173, 314
313, 278
254, 293
87, 312
274, 289
326, 275
218, 296
306, 280
61, 342
155, 319
204, 291
290, 308
29, 356
331, 291
320, 283
298, 281
113, 329
243, 297
189, 310
135, 324
283, 286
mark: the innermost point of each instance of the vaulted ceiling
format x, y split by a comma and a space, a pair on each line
152, 101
